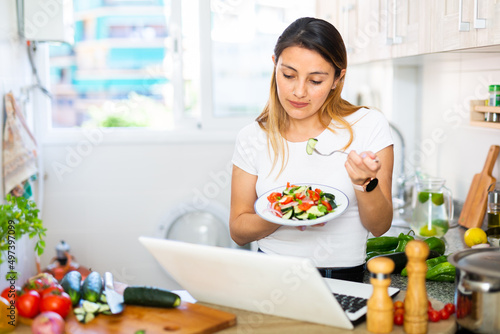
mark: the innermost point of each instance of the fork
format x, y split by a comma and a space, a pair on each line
326, 155
311, 148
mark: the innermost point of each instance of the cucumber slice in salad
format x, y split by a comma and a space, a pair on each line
311, 144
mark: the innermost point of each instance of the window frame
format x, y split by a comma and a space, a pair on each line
206, 127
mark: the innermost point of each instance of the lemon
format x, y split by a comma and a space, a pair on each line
425, 231
475, 236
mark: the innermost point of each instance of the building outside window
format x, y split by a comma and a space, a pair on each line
167, 64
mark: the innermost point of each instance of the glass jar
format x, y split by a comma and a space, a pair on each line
494, 96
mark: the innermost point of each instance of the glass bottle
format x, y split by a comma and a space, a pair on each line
494, 206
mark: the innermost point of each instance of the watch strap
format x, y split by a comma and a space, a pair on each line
368, 186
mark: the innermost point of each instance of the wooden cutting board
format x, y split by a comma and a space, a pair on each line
187, 318
474, 208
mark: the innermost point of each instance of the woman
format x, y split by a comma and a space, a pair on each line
309, 68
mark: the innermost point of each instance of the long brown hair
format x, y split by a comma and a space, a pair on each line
320, 36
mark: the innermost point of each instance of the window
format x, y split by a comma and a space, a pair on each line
167, 64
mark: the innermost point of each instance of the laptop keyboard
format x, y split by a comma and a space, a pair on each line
350, 303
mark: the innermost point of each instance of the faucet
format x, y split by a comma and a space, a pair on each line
400, 198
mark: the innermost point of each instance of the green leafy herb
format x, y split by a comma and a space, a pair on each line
18, 217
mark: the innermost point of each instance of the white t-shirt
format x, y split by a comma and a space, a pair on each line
342, 241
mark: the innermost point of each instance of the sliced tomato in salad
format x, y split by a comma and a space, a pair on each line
273, 197
301, 203
328, 205
304, 206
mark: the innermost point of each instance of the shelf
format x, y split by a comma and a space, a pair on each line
478, 109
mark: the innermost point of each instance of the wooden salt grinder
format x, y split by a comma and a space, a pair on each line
380, 313
415, 321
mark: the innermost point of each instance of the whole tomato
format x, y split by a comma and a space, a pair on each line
34, 284
51, 289
434, 315
399, 319
450, 307
9, 294
28, 304
56, 301
444, 314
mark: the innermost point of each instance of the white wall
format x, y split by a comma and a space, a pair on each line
15, 77
116, 193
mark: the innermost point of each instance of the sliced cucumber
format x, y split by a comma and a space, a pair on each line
311, 144
80, 317
288, 214
103, 308
90, 306
78, 310
89, 317
303, 216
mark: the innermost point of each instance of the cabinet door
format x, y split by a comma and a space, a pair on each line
410, 28
452, 26
489, 11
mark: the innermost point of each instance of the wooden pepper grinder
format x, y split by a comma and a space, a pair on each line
380, 313
416, 305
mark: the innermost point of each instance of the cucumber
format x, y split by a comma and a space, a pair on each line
92, 287
311, 143
149, 296
288, 214
71, 284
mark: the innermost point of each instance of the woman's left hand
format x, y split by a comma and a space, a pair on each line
362, 167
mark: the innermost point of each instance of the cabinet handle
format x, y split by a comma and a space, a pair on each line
395, 39
478, 23
346, 9
462, 26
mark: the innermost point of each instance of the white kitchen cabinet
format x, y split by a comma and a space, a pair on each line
384, 29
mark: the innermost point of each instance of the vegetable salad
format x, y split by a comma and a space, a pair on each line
301, 203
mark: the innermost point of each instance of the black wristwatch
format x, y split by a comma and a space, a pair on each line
368, 186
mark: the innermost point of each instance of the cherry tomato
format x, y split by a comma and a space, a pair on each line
273, 197
28, 304
9, 294
450, 307
399, 319
399, 304
58, 302
434, 315
399, 311
444, 314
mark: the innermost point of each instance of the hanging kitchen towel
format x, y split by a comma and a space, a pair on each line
19, 147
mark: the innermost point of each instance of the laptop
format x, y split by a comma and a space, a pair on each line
278, 285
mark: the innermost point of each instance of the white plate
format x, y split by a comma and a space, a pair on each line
261, 206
